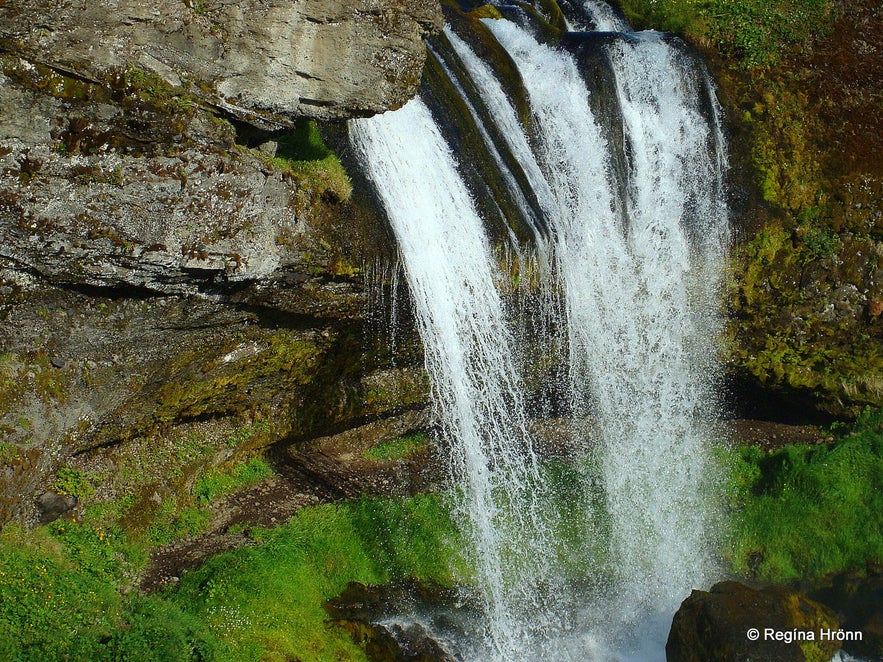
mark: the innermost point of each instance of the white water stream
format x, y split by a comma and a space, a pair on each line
637, 257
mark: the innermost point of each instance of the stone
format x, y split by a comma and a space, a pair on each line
266, 62
733, 622
858, 600
373, 616
52, 505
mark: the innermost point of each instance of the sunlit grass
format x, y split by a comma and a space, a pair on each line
807, 511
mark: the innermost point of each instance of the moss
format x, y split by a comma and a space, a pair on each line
303, 156
758, 33
783, 154
156, 93
485, 11
290, 356
803, 512
798, 320
217, 483
396, 449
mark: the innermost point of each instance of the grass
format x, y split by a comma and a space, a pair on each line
803, 512
266, 601
396, 449
757, 32
800, 512
64, 595
303, 155
216, 483
57, 605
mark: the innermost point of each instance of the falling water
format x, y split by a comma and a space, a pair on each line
635, 232
469, 357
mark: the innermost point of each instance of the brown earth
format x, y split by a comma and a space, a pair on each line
334, 468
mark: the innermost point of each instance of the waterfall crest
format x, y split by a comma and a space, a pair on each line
632, 238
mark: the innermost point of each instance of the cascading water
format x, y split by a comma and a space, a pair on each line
633, 233
468, 356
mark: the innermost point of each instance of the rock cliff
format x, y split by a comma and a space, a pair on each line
183, 278
265, 62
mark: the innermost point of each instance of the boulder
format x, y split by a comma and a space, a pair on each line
53, 505
733, 622
373, 615
264, 62
858, 600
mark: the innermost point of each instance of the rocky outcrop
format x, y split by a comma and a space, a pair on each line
181, 287
266, 62
373, 615
857, 598
733, 622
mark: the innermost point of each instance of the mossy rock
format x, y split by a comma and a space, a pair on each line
735, 622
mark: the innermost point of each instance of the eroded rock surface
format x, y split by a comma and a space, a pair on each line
267, 62
180, 285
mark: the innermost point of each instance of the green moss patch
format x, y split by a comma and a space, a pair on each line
396, 449
303, 156
59, 601
757, 32
803, 512
218, 483
799, 319
62, 594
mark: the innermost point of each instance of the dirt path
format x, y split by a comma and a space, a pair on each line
334, 468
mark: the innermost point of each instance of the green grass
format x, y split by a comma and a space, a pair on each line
56, 605
65, 589
266, 601
305, 157
757, 32
803, 512
396, 449
216, 484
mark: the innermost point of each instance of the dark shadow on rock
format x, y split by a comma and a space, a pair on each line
404, 621
858, 600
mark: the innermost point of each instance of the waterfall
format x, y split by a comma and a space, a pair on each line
469, 356
628, 177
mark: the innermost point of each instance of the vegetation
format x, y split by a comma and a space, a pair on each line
757, 32
218, 483
266, 601
396, 449
65, 589
303, 155
62, 587
59, 601
803, 512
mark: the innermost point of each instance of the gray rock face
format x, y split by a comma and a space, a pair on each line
126, 193
265, 62
178, 288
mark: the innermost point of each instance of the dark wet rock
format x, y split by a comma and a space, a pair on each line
858, 600
53, 505
373, 616
734, 623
